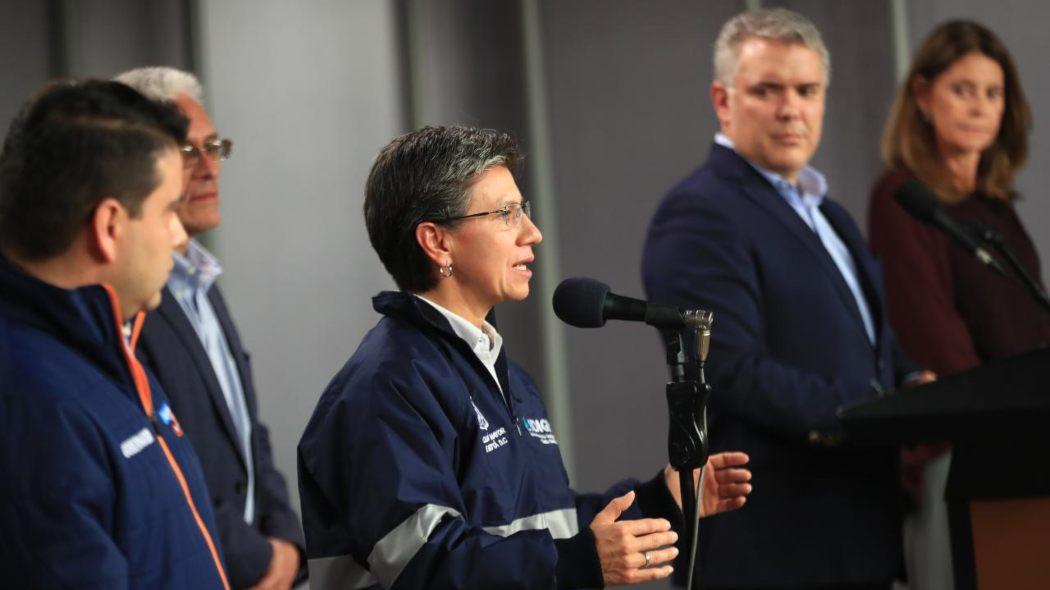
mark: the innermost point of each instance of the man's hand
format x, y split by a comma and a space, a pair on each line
632, 551
283, 566
725, 483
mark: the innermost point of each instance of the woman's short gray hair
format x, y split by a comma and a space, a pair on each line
426, 175
163, 83
778, 24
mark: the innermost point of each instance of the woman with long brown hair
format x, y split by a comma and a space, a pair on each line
960, 126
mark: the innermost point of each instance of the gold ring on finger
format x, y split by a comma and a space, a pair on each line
647, 559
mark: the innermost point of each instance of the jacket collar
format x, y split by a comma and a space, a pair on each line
409, 308
810, 180
82, 318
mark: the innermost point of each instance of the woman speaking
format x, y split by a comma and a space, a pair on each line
429, 460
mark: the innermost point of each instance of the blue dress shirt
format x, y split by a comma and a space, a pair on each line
193, 275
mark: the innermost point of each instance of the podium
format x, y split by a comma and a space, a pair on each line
997, 418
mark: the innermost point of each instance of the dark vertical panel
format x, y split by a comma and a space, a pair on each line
25, 50
191, 33
404, 61
474, 60
862, 87
630, 116
105, 37
57, 45
163, 32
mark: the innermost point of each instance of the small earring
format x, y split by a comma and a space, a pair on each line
925, 115
446, 270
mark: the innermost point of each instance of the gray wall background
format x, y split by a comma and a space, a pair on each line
609, 99
310, 96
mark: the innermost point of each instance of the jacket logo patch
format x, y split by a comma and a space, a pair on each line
495, 439
134, 444
482, 422
539, 428
168, 418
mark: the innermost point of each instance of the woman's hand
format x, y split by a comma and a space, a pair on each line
920, 378
632, 551
725, 483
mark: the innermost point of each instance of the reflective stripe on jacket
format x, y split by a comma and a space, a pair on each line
416, 472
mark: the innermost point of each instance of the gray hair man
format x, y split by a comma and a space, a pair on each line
193, 346
752, 236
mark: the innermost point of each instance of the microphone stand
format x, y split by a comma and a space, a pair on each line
687, 443
993, 237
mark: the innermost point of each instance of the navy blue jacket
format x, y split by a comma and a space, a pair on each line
788, 348
171, 348
414, 472
88, 497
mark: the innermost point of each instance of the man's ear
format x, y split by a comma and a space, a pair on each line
720, 101
106, 228
436, 242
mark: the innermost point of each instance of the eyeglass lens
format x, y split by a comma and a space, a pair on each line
216, 149
514, 211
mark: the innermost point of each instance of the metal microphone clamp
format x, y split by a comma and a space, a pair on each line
688, 391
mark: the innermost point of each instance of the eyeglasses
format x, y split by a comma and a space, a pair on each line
216, 149
511, 214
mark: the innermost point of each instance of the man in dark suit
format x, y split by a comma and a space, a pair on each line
800, 323
192, 346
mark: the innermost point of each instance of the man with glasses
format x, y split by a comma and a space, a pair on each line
193, 347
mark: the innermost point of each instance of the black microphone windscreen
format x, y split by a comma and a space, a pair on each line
917, 200
580, 302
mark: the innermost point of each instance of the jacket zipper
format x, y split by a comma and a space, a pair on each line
141, 383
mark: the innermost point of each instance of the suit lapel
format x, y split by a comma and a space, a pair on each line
766, 197
173, 314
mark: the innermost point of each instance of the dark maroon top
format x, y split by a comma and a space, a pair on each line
950, 312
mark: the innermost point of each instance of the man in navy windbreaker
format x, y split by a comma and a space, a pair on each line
430, 461
99, 489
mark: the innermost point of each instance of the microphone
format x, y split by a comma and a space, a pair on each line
919, 202
587, 303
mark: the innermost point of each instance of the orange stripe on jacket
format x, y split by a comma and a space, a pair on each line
138, 375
